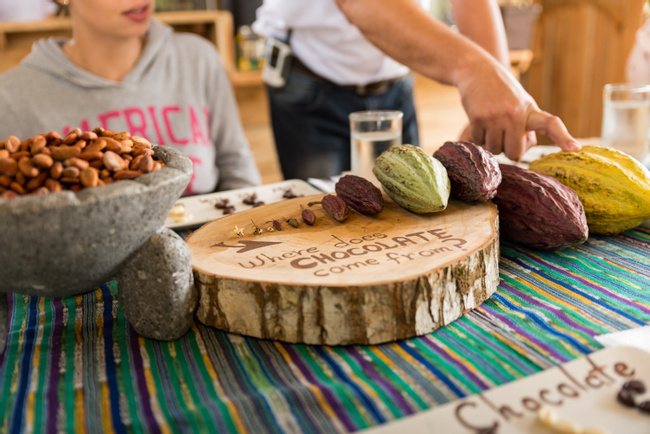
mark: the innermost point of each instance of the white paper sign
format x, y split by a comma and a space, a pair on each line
582, 392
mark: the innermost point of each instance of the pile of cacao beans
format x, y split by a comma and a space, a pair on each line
81, 159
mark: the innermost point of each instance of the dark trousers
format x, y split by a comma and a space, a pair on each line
311, 127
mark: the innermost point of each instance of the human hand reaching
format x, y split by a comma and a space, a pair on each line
505, 118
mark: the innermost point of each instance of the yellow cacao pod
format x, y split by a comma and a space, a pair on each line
613, 187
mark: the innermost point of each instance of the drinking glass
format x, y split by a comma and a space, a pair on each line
373, 132
626, 119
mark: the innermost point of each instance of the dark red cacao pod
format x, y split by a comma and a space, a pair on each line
360, 194
474, 172
537, 211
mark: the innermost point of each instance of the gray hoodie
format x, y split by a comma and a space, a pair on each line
178, 94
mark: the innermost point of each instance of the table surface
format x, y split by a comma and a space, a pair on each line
75, 364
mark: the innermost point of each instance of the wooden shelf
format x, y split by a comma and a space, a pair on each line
16, 38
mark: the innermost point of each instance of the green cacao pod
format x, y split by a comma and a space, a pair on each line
613, 187
413, 179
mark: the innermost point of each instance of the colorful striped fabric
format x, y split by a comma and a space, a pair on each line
75, 364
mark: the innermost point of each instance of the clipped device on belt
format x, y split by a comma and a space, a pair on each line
277, 62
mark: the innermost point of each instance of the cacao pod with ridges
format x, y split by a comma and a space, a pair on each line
613, 187
336, 207
474, 172
360, 194
537, 211
413, 179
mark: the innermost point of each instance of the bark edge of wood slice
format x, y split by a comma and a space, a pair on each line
407, 274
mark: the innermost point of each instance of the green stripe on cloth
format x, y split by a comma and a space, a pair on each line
76, 365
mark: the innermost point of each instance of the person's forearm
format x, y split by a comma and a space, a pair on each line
411, 35
481, 21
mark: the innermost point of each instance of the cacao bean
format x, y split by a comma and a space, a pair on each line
27, 168
90, 156
8, 166
336, 207
146, 164
98, 164
12, 144
89, 177
20, 154
70, 172
56, 170
76, 162
127, 174
308, 216
63, 152
36, 182
24, 145
51, 136
53, 185
20, 178
81, 144
42, 161
112, 161
113, 145
88, 136
37, 145
96, 145
72, 136
121, 136
17, 188
360, 194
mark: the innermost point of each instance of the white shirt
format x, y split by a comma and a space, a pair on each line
638, 63
325, 41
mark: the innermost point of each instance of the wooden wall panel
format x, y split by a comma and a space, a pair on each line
579, 46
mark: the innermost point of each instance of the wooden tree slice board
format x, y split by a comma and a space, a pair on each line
368, 280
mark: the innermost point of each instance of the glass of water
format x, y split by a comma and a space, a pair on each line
372, 132
626, 119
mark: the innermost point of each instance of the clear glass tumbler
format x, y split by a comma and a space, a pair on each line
372, 132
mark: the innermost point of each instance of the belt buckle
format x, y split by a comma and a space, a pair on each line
375, 88
361, 89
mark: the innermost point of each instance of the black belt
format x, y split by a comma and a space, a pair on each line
375, 88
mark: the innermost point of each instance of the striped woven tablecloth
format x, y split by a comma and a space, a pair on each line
75, 364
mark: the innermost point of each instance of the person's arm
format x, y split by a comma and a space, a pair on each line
499, 109
481, 22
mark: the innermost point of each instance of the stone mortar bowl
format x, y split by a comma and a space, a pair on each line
66, 243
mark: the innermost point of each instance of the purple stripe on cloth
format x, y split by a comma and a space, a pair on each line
370, 371
550, 270
109, 359
137, 368
331, 399
445, 354
53, 374
529, 337
545, 307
